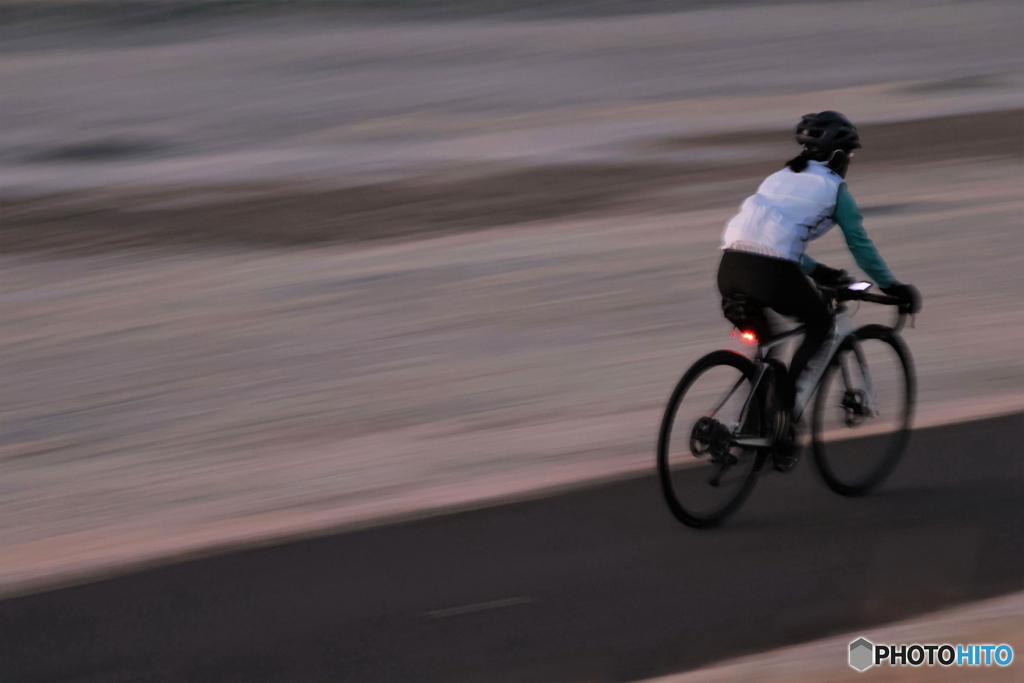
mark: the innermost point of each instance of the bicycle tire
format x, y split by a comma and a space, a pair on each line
677, 506
897, 442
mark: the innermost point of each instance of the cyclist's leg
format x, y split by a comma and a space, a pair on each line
795, 296
755, 276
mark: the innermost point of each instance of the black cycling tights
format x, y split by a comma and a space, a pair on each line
779, 285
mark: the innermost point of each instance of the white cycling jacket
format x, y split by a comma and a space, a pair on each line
789, 210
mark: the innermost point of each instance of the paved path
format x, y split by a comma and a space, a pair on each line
596, 584
998, 620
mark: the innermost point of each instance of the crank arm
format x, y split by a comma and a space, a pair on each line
753, 442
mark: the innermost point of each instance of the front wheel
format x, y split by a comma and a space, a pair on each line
704, 477
868, 393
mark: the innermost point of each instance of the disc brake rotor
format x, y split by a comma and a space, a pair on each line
855, 407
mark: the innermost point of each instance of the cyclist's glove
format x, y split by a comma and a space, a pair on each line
910, 298
830, 277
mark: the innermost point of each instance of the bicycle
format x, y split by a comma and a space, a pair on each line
732, 433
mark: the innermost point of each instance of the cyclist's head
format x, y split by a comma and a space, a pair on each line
828, 137
826, 132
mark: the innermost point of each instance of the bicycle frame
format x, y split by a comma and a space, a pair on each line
841, 329
761, 434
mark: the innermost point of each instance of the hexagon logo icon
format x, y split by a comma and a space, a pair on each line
862, 654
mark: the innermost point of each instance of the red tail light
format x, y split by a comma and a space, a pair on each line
745, 335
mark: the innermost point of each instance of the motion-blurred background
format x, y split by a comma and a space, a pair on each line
276, 266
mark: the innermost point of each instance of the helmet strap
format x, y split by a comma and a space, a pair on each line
839, 161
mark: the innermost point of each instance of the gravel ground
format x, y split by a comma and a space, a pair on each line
157, 399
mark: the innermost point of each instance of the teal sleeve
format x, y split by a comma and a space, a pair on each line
847, 215
807, 264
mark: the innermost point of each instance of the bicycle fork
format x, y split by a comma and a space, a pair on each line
870, 396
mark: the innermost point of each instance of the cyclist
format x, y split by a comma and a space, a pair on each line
764, 260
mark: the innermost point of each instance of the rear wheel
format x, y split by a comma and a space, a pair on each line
703, 476
867, 391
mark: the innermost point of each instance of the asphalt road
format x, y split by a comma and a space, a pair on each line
599, 584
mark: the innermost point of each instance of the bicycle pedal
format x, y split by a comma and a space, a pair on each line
785, 464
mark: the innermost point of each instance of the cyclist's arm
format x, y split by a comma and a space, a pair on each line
847, 215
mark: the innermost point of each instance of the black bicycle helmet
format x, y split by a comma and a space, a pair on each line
827, 131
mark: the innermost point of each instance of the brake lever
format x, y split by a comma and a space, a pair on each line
901, 320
